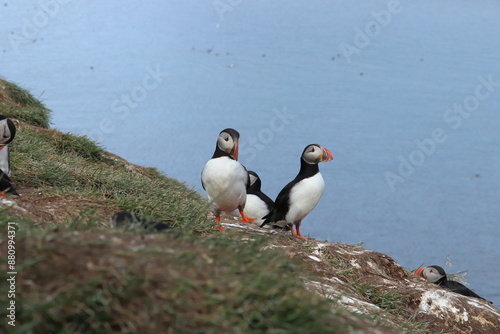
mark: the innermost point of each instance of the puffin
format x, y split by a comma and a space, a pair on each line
224, 179
258, 204
130, 221
437, 275
7, 134
299, 197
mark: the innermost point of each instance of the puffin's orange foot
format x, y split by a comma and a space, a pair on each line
298, 235
245, 219
218, 226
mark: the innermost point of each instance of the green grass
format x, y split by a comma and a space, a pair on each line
388, 301
23, 106
73, 166
82, 146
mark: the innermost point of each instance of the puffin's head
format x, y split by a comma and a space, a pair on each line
228, 142
123, 218
7, 131
254, 180
315, 153
432, 274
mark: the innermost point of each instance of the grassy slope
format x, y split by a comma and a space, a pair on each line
77, 275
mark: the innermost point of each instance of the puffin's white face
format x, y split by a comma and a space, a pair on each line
253, 178
5, 134
314, 154
228, 144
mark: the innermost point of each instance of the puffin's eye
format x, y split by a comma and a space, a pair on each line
226, 139
312, 150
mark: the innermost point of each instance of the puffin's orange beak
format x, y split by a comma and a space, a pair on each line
235, 151
419, 271
327, 155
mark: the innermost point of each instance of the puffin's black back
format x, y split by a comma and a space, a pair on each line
453, 285
282, 203
460, 288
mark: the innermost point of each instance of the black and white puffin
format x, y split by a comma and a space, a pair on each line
7, 134
224, 179
437, 275
299, 197
258, 204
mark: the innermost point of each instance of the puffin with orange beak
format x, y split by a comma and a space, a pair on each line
299, 197
224, 179
437, 275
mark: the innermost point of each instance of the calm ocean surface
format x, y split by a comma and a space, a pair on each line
405, 94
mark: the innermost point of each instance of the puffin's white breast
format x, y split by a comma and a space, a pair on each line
304, 196
4, 160
256, 208
225, 183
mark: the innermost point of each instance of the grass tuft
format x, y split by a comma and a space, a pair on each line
80, 145
391, 301
18, 103
74, 166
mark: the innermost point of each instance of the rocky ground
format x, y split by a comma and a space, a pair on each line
360, 279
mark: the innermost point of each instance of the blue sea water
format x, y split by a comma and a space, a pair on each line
406, 95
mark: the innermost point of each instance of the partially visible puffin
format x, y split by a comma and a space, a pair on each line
299, 197
7, 134
5, 185
130, 221
224, 179
437, 275
258, 204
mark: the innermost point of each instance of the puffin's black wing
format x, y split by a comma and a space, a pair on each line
281, 206
151, 225
5, 185
4, 176
269, 202
460, 288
